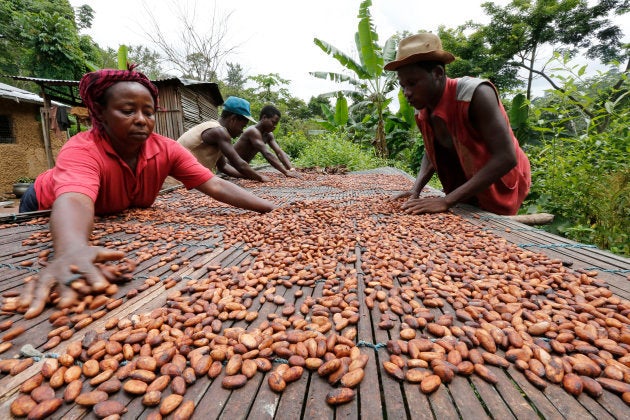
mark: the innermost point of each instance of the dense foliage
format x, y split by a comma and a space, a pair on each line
330, 150
580, 172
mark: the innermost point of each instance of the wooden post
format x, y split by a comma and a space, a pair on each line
45, 115
533, 219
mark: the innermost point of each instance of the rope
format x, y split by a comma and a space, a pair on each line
19, 267
376, 346
612, 270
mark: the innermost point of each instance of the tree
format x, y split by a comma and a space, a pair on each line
40, 38
315, 105
84, 17
197, 54
518, 31
272, 89
474, 57
235, 79
265, 83
371, 83
148, 61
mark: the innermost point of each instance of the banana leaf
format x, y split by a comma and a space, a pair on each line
342, 58
122, 57
366, 39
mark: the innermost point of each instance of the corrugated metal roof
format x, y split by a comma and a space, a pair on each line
212, 88
21, 95
49, 82
209, 87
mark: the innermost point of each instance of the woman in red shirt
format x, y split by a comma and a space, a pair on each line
119, 163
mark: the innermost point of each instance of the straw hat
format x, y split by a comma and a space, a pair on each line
420, 47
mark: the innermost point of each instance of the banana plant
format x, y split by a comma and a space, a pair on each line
338, 118
370, 81
122, 57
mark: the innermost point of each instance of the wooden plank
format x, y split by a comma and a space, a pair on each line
513, 396
566, 404
469, 406
241, 400
537, 397
265, 404
369, 399
317, 390
594, 408
614, 405
442, 404
417, 402
393, 399
293, 398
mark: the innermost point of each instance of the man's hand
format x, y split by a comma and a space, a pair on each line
292, 173
264, 178
425, 205
403, 194
61, 273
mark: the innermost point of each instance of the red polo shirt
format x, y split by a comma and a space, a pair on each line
88, 164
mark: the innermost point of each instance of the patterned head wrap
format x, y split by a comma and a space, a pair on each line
93, 85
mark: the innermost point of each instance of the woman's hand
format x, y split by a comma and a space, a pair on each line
61, 272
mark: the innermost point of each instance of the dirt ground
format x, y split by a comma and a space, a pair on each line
9, 205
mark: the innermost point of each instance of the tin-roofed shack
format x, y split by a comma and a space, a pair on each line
24, 151
183, 103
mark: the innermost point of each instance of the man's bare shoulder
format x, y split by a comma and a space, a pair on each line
215, 134
250, 133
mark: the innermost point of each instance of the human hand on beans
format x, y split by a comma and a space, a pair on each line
61, 273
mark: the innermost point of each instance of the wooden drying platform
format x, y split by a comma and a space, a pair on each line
378, 396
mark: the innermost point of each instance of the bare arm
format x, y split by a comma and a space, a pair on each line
424, 176
220, 138
485, 115
71, 223
232, 194
269, 155
228, 169
284, 158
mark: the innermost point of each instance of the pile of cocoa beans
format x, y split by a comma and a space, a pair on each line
453, 299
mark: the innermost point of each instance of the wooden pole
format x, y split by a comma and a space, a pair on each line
533, 219
45, 114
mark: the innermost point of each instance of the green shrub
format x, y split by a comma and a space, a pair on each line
328, 150
581, 171
293, 143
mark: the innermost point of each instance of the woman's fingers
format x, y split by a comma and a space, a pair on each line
94, 276
96, 279
67, 297
104, 254
37, 291
37, 294
401, 195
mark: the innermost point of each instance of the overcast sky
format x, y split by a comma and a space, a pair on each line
277, 36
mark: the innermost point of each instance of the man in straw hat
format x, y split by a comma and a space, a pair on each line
467, 136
